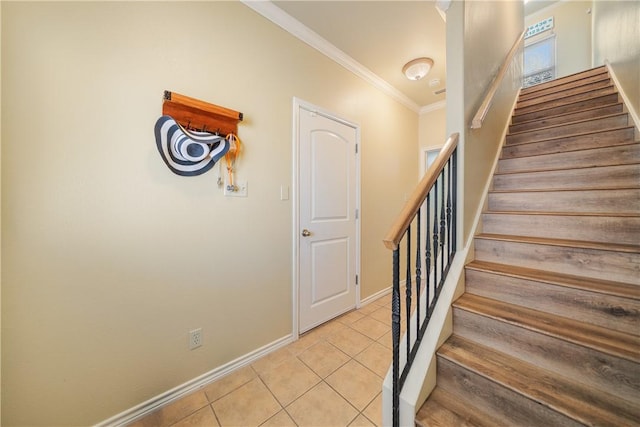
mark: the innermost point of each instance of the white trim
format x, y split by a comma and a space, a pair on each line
297, 105
432, 107
294, 27
137, 412
371, 298
627, 103
295, 214
542, 37
423, 158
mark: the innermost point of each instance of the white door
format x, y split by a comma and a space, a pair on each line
327, 234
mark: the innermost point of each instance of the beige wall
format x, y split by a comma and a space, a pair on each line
616, 38
109, 258
572, 27
472, 64
431, 132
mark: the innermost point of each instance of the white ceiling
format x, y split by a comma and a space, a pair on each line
382, 36
377, 38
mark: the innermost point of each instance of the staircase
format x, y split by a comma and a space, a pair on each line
548, 331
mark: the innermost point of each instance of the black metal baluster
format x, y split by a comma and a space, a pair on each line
436, 245
418, 274
395, 332
449, 231
454, 160
427, 253
408, 292
442, 227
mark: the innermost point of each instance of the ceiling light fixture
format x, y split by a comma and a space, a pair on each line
418, 68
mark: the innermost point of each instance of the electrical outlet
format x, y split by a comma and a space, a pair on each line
195, 338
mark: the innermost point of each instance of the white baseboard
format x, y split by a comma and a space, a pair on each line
155, 403
371, 298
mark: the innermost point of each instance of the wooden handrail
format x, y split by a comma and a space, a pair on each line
476, 123
419, 194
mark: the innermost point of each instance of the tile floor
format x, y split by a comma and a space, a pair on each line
332, 376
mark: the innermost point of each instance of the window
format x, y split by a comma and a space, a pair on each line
540, 61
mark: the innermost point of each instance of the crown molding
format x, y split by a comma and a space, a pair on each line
294, 27
432, 107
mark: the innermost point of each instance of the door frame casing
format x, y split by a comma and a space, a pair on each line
299, 104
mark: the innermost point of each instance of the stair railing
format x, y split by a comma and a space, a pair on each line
436, 196
476, 122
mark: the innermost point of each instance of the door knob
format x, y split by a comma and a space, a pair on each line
306, 233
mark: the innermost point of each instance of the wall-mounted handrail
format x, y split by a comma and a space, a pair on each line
476, 123
419, 194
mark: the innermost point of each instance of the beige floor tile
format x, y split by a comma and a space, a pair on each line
386, 341
322, 406
272, 360
203, 418
374, 411
281, 419
361, 421
385, 299
324, 358
250, 405
355, 383
371, 327
369, 308
381, 300
377, 358
350, 317
304, 342
174, 411
227, 384
383, 315
328, 329
350, 341
290, 380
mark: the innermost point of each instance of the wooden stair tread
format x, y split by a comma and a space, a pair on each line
607, 287
572, 135
561, 125
586, 81
568, 169
444, 409
571, 107
562, 92
559, 190
562, 102
563, 80
608, 341
562, 242
572, 113
579, 214
586, 405
621, 154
